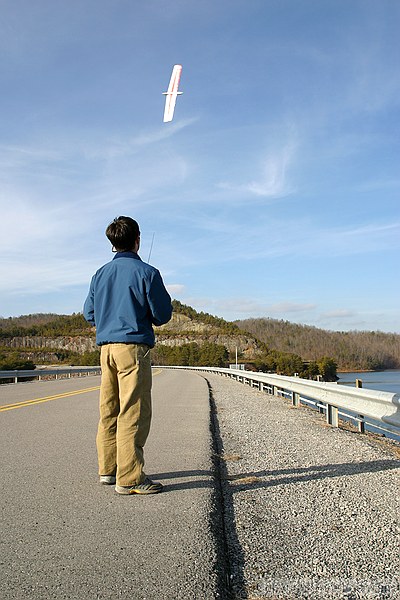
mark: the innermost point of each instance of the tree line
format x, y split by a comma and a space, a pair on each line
285, 363
286, 347
45, 325
217, 355
12, 360
192, 354
351, 350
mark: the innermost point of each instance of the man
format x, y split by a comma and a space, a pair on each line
126, 298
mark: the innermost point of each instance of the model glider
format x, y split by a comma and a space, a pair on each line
172, 93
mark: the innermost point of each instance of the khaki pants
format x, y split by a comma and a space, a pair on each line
125, 411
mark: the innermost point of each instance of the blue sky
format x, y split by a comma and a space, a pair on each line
273, 193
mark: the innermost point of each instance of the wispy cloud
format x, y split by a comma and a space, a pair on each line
81, 145
175, 289
55, 199
290, 307
378, 184
116, 147
273, 181
74, 175
341, 319
14, 155
163, 133
223, 240
45, 275
340, 313
376, 81
248, 307
306, 238
270, 238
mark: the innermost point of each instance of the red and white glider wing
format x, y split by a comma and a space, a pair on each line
172, 93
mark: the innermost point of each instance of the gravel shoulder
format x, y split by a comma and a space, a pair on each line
310, 511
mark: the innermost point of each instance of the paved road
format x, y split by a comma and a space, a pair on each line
292, 509
66, 536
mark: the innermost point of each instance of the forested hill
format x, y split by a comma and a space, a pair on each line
44, 324
352, 350
271, 342
188, 338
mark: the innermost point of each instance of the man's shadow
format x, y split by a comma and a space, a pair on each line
270, 478
252, 480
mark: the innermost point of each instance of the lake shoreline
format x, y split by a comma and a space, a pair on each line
366, 370
385, 381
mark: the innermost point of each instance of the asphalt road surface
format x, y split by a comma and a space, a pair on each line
66, 536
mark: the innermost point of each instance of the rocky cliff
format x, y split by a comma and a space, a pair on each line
78, 344
183, 330
180, 330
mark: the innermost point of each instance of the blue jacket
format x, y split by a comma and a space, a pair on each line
126, 297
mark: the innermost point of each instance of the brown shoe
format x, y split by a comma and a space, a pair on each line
147, 487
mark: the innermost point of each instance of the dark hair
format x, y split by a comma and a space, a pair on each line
123, 233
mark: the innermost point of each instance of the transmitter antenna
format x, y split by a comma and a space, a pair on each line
151, 246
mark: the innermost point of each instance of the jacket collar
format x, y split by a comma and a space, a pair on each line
127, 254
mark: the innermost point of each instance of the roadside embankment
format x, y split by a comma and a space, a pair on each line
310, 511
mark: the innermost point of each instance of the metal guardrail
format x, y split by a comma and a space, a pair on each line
364, 406
39, 374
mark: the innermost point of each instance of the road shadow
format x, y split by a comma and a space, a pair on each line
223, 485
266, 478
270, 478
232, 583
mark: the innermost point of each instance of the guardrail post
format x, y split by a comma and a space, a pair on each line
332, 415
361, 424
295, 399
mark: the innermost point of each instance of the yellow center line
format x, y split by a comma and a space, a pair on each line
55, 397
46, 399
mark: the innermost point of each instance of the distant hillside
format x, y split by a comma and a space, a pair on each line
72, 332
189, 336
269, 344
44, 324
187, 325
352, 350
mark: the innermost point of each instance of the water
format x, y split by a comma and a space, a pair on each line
385, 381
